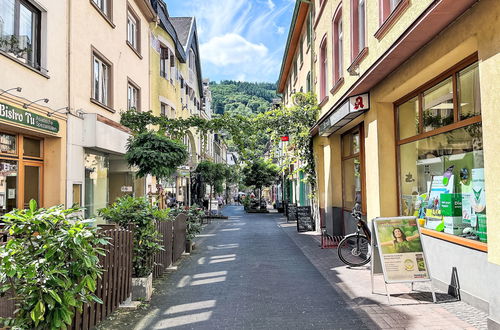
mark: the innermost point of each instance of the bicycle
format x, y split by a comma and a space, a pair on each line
355, 249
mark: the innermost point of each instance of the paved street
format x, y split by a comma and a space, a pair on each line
255, 272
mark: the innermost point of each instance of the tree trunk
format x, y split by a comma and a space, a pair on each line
210, 200
260, 198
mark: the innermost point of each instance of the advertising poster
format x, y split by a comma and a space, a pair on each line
401, 251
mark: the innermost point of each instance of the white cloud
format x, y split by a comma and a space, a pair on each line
231, 49
271, 4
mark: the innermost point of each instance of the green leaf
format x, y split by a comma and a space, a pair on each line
38, 312
33, 206
55, 296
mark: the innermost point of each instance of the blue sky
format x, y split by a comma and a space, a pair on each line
239, 39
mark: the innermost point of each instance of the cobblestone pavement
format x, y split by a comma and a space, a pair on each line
256, 272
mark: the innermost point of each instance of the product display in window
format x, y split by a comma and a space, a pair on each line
442, 182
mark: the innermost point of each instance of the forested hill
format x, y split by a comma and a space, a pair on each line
242, 97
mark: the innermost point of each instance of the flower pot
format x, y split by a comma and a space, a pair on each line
142, 288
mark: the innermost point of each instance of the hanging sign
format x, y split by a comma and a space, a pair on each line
400, 249
285, 138
27, 118
359, 102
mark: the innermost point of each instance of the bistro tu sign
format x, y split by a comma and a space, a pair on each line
27, 118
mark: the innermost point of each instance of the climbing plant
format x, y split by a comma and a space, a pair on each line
252, 136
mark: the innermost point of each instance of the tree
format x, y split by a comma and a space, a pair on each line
213, 174
260, 174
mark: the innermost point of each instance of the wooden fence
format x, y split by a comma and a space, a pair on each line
113, 287
163, 259
180, 225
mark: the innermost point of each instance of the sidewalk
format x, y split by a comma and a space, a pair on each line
407, 310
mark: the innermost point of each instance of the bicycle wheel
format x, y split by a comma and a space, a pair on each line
354, 250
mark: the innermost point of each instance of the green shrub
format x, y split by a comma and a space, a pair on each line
194, 219
138, 215
51, 263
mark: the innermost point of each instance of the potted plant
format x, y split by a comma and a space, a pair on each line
138, 215
260, 174
51, 263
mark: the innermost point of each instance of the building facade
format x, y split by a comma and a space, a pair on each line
407, 96
116, 48
33, 103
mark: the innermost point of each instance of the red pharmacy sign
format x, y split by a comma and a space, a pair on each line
284, 138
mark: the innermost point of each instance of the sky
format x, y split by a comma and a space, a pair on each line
239, 39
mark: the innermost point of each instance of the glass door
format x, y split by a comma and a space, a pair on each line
8, 185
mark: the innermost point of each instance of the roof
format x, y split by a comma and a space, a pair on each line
183, 26
299, 17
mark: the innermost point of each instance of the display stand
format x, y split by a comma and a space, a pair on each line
377, 266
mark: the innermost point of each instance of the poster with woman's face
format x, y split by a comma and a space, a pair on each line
401, 249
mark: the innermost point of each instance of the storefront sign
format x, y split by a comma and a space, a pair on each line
344, 114
285, 138
23, 117
126, 189
400, 249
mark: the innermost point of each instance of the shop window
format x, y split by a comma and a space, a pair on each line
438, 106
96, 183
101, 80
408, 118
352, 170
8, 144
441, 164
8, 185
32, 147
20, 31
133, 30
469, 98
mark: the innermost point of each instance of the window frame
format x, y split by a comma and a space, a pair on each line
36, 29
106, 14
164, 62
131, 14
323, 63
338, 49
356, 50
133, 85
95, 54
387, 18
457, 123
361, 156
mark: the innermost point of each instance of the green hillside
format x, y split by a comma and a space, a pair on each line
242, 97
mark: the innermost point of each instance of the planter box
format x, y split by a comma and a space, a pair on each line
142, 288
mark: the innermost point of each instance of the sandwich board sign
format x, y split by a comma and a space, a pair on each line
399, 253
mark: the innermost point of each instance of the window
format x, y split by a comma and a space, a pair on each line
20, 31
301, 50
104, 7
96, 183
387, 7
294, 72
440, 152
101, 73
323, 70
133, 30
308, 82
192, 66
164, 62
358, 42
133, 96
308, 32
338, 50
352, 169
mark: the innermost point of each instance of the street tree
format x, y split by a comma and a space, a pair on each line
259, 174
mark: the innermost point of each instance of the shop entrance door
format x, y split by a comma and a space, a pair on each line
32, 183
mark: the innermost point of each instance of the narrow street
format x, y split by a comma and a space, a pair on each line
245, 273
248, 273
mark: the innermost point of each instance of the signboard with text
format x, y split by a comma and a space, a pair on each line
27, 118
400, 249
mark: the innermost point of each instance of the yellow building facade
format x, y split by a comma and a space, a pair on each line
176, 86
407, 97
33, 101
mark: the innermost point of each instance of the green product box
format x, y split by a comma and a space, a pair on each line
482, 231
451, 205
